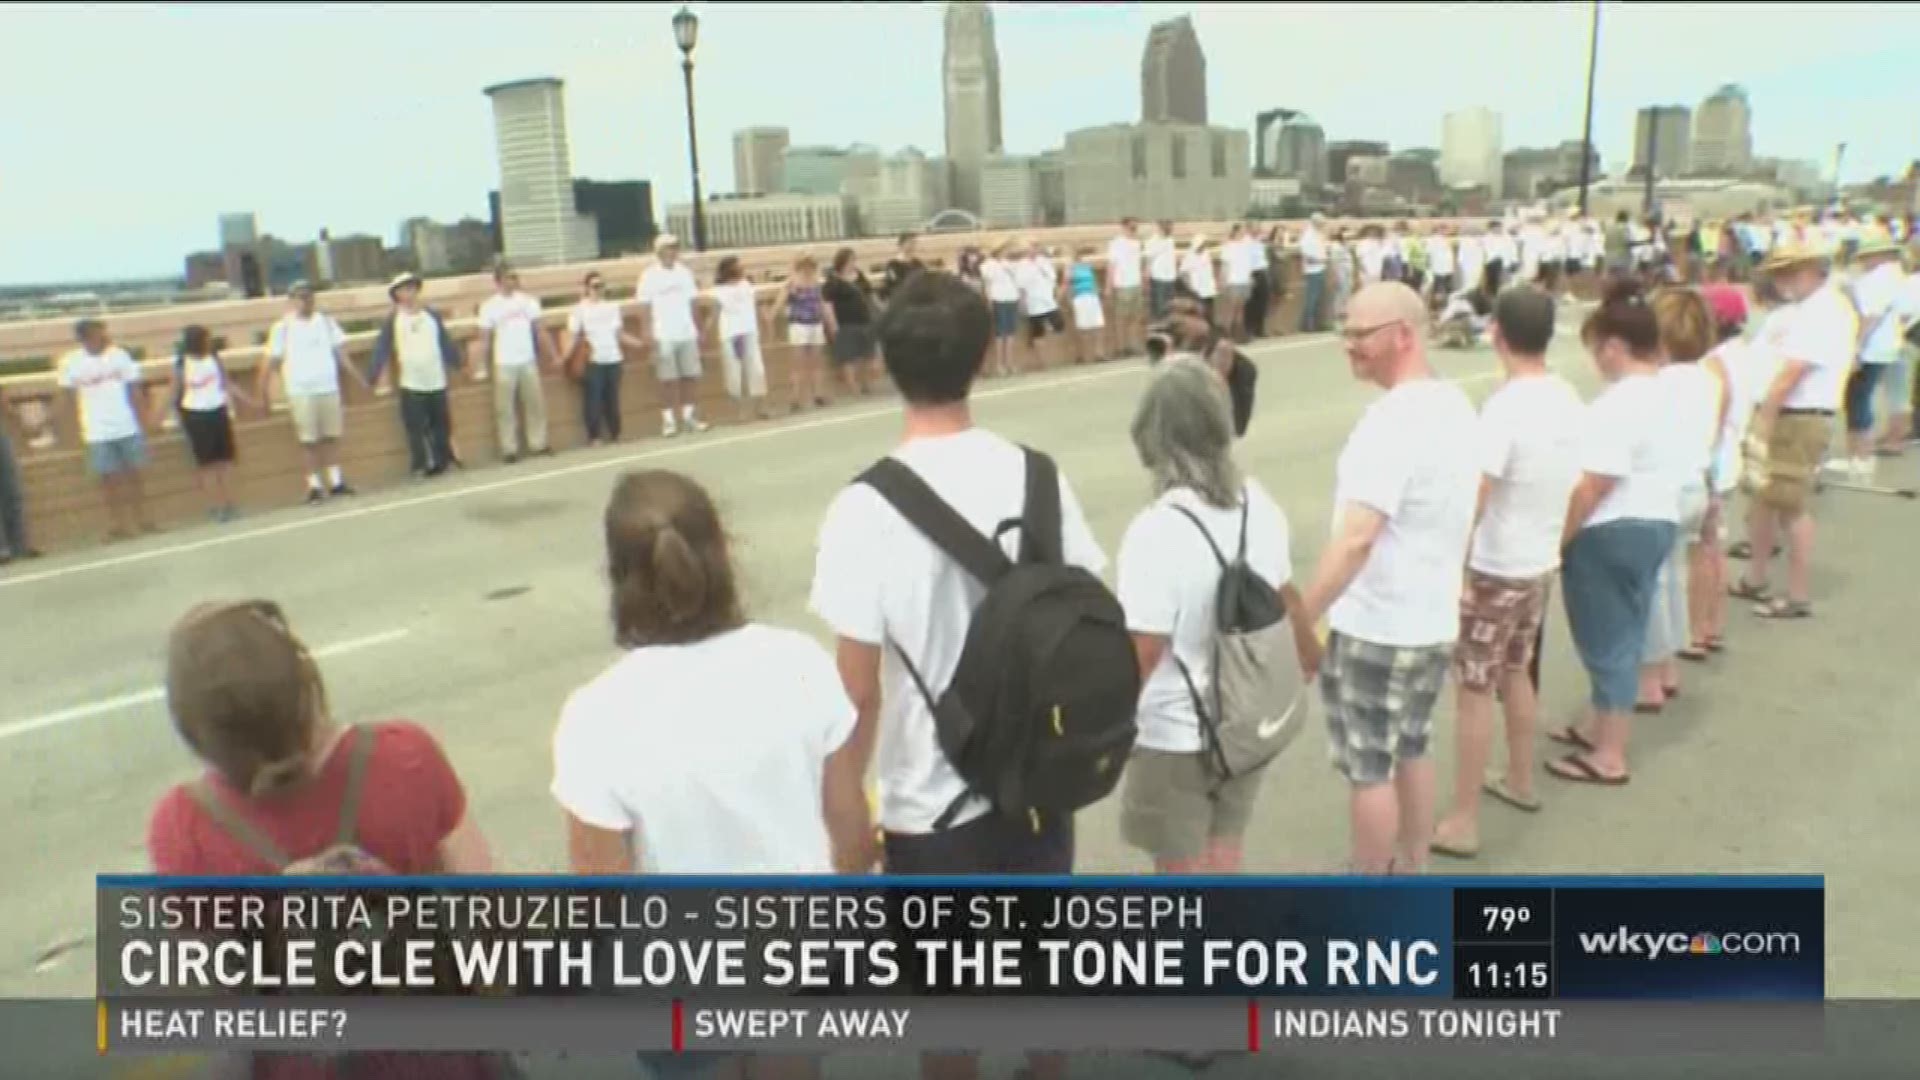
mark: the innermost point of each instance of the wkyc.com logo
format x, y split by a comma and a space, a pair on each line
1625, 942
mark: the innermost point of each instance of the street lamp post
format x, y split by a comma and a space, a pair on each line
1586, 133
686, 33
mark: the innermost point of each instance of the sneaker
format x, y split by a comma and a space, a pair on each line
1864, 469
697, 425
343, 488
511, 459
315, 496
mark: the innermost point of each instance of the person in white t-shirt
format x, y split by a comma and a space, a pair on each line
514, 339
1205, 510
1620, 527
736, 317
1472, 255
1877, 293
1163, 270
101, 382
1039, 282
596, 331
1442, 264
670, 761
1793, 424
1898, 382
1124, 302
1389, 581
416, 348
1196, 271
1261, 248
201, 395
1313, 275
1529, 457
1732, 363
305, 348
668, 290
1000, 273
1236, 265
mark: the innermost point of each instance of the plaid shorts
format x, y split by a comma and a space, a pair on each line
1499, 618
1379, 702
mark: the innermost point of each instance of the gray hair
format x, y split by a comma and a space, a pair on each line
1183, 432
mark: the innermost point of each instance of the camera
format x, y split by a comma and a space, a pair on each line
1159, 343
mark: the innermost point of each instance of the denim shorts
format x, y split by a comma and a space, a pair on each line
116, 456
1608, 574
1006, 318
1861, 387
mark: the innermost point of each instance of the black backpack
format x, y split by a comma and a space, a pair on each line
1039, 717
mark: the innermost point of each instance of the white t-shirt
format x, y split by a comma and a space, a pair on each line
1257, 251
1372, 255
1696, 399
203, 386
1037, 284
1877, 295
1313, 251
1001, 286
1439, 255
1530, 448
306, 349
739, 309
103, 385
1472, 260
669, 293
1628, 436
1411, 458
600, 322
1197, 268
511, 319
878, 581
1745, 383
416, 352
1166, 580
1238, 255
1820, 332
1163, 259
1123, 262
711, 754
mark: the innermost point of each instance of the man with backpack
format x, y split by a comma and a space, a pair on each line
979, 648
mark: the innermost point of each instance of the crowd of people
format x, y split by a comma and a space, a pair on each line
936, 571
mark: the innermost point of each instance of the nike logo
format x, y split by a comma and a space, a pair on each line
1267, 729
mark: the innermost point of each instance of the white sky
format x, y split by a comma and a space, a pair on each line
127, 129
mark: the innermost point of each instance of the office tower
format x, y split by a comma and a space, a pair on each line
540, 224
1723, 134
1470, 150
970, 74
238, 230
759, 161
1173, 75
1671, 139
1179, 171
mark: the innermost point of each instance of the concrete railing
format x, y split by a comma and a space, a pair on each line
63, 502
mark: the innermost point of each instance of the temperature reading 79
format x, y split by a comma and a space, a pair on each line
1505, 918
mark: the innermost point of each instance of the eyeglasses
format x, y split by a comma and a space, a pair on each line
1355, 336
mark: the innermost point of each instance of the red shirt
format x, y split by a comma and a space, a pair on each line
410, 802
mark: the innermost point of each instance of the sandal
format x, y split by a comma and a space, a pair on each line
1784, 609
1579, 770
1741, 589
1570, 736
1498, 788
1716, 644
1696, 653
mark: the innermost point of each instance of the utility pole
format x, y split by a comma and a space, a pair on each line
1652, 114
1586, 132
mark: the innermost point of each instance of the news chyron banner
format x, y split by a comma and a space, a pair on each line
680, 964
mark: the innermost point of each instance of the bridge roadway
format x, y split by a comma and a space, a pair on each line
475, 608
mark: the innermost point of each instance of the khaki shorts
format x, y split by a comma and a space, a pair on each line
1172, 806
1128, 304
316, 417
1784, 480
1499, 618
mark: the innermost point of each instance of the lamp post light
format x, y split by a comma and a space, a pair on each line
686, 34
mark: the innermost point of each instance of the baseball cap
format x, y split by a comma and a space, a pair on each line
1728, 304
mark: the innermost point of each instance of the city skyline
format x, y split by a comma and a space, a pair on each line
93, 187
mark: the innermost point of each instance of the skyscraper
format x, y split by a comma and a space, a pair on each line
759, 160
238, 230
1470, 150
539, 221
1723, 134
1267, 126
970, 73
1672, 140
1173, 75
1300, 152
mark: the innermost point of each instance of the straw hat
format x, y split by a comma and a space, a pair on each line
1879, 244
1793, 253
407, 278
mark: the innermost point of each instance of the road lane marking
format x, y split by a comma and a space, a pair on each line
677, 449
159, 693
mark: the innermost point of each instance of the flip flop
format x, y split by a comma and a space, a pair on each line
1695, 653
1716, 644
1784, 609
1647, 708
1570, 736
1453, 850
1741, 590
1576, 769
1497, 787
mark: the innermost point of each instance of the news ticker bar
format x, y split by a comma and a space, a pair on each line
884, 1025
662, 938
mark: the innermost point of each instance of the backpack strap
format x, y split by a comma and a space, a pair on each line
229, 821
1218, 556
362, 753
941, 524
1041, 531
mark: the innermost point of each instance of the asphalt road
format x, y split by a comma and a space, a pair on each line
474, 607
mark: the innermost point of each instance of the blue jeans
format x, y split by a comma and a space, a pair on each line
1158, 294
423, 413
1313, 299
1607, 575
600, 400
13, 500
